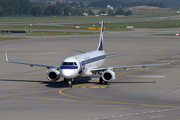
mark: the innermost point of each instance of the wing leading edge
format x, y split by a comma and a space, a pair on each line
31, 64
126, 66
119, 52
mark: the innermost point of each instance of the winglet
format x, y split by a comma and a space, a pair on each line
100, 47
6, 57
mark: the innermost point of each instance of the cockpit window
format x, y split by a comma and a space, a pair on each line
69, 64
65, 63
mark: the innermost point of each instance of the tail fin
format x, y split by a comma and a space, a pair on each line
100, 47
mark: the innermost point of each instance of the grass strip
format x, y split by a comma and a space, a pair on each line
10, 38
141, 24
163, 34
42, 33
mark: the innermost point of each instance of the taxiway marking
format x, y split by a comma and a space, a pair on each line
136, 114
113, 102
93, 87
86, 99
147, 76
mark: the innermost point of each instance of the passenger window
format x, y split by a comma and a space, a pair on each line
75, 64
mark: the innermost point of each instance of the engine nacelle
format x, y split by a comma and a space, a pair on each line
53, 75
108, 75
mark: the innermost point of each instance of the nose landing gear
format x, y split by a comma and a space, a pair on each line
69, 81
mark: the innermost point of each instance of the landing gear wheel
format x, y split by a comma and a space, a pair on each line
105, 82
65, 80
70, 83
100, 80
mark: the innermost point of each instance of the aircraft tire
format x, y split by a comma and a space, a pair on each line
100, 80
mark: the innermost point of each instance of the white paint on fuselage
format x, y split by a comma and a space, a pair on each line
85, 63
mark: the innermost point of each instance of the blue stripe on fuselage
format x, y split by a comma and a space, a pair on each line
93, 60
69, 67
83, 63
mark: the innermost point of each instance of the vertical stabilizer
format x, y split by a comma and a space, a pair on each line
100, 47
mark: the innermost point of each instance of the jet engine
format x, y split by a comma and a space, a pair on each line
53, 75
108, 75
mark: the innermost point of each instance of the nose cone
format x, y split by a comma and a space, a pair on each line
68, 73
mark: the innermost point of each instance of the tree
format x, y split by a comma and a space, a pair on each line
81, 4
36, 11
90, 12
129, 12
120, 11
1, 11
10, 10
74, 4
111, 12
102, 12
47, 12
66, 11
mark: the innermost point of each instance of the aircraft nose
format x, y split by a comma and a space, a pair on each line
67, 73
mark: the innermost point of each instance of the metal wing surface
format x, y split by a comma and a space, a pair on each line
119, 52
126, 66
31, 64
79, 51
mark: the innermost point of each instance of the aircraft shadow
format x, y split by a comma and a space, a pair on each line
56, 84
78, 80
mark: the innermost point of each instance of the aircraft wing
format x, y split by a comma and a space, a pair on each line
119, 52
79, 51
107, 53
31, 64
127, 66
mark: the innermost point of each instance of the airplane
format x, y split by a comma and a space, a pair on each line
84, 64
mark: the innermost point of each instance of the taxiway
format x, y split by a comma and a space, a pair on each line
138, 94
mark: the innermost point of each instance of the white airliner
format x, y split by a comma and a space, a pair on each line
85, 64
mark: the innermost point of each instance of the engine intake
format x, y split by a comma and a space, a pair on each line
108, 75
53, 75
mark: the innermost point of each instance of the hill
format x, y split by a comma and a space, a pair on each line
147, 8
167, 3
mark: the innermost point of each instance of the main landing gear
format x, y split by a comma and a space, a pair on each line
101, 81
69, 81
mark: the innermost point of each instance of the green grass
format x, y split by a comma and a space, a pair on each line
53, 19
163, 35
143, 13
42, 33
10, 38
136, 15
7, 34
46, 27
120, 26
144, 24
34, 27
